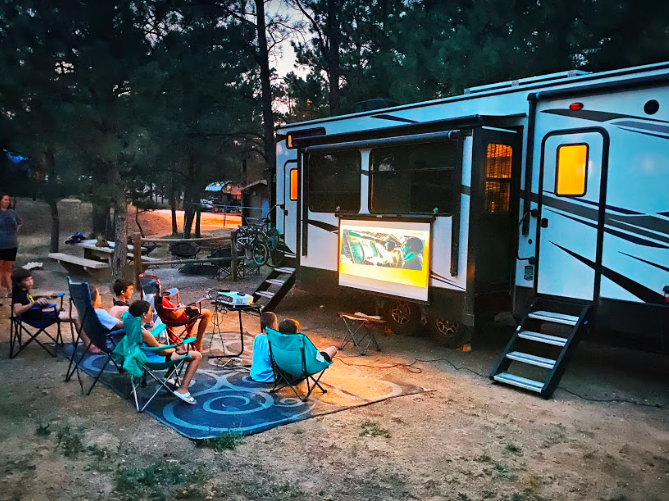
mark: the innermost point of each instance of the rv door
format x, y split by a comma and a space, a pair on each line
572, 165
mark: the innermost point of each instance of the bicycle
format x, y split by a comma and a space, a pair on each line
257, 240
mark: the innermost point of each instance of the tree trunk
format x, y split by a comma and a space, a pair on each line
55, 226
173, 207
266, 87
139, 226
120, 256
101, 217
334, 37
198, 217
50, 159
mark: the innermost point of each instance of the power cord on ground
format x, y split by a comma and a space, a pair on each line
417, 370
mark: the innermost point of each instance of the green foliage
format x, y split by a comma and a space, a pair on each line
69, 442
223, 443
372, 429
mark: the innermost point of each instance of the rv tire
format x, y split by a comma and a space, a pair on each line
449, 333
403, 317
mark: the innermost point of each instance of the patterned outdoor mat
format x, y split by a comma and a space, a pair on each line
229, 402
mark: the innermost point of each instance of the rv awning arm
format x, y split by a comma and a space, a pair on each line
449, 135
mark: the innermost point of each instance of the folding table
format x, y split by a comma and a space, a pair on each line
359, 327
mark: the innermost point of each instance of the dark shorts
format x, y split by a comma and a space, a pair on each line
8, 254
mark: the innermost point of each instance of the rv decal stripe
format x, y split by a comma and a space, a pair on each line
644, 133
324, 226
619, 234
613, 207
395, 119
664, 268
663, 129
641, 291
440, 278
640, 223
599, 116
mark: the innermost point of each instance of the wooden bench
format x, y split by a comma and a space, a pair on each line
82, 266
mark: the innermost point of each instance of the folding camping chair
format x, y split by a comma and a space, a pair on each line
176, 315
141, 362
21, 336
224, 267
100, 337
294, 359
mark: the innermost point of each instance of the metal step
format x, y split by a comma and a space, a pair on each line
265, 294
526, 358
522, 382
557, 318
275, 281
285, 270
542, 338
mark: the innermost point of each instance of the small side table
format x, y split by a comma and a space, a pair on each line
251, 309
359, 327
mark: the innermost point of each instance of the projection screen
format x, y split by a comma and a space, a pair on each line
390, 257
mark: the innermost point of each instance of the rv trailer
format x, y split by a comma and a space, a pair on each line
545, 196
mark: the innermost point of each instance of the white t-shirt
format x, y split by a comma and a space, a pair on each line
108, 322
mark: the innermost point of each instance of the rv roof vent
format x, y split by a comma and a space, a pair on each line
551, 77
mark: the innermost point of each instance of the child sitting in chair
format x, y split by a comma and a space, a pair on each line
261, 365
292, 326
123, 291
28, 307
142, 309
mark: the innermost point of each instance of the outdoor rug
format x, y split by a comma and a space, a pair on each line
230, 402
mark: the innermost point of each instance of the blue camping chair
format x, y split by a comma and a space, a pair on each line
141, 361
101, 337
294, 359
23, 331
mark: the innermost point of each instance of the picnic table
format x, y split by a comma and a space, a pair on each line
97, 261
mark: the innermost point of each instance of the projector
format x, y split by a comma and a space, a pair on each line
234, 298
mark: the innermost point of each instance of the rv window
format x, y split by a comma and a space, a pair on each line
334, 181
498, 165
572, 170
414, 179
293, 185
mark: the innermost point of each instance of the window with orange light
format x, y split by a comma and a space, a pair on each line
498, 167
572, 170
293, 184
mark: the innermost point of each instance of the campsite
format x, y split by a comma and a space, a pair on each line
604, 435
337, 250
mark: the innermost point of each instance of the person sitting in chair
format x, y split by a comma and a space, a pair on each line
30, 307
261, 365
143, 310
123, 291
292, 326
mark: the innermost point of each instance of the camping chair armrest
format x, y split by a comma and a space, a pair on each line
197, 303
115, 333
172, 308
169, 346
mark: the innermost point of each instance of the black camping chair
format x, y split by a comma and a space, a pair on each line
224, 266
25, 330
101, 337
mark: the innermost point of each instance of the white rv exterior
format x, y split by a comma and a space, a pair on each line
559, 188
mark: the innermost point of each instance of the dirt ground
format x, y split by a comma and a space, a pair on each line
466, 440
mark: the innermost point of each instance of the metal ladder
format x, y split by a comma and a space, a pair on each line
542, 344
274, 288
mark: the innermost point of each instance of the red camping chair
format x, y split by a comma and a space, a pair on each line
176, 315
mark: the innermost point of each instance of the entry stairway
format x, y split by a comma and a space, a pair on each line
277, 284
541, 346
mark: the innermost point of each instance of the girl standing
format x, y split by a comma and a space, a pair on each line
9, 243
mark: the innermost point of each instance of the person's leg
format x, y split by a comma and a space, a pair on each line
202, 328
191, 369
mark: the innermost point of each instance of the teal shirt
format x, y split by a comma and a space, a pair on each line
261, 365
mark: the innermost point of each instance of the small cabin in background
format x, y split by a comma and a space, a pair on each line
255, 200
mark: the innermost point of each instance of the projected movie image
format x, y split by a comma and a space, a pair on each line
380, 257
